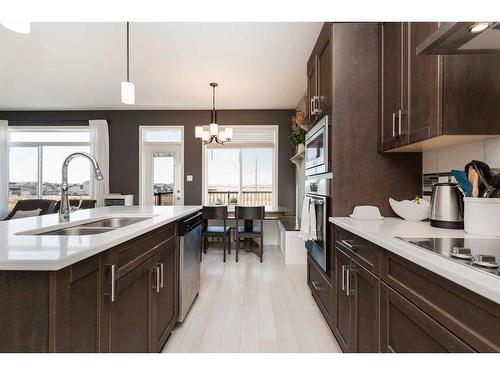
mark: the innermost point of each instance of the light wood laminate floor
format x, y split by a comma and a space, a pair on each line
252, 307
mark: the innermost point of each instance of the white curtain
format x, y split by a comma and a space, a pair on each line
4, 168
99, 148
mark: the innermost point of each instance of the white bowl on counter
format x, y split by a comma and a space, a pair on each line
366, 213
411, 210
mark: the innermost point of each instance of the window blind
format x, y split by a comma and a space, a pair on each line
255, 135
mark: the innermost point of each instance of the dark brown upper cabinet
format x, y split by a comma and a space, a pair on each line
434, 101
319, 76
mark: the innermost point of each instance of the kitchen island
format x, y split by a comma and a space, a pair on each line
114, 289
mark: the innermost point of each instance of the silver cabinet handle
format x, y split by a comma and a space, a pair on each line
158, 279
393, 125
317, 104
400, 127
161, 274
348, 244
344, 267
348, 282
311, 106
317, 285
113, 284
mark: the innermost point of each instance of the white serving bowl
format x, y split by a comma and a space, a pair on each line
366, 213
410, 210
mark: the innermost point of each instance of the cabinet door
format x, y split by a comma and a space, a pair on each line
130, 320
391, 101
324, 71
407, 329
78, 291
312, 87
422, 97
343, 305
366, 312
165, 299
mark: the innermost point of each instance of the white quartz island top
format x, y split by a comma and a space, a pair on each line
51, 252
383, 233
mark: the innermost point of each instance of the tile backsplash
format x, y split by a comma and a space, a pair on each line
456, 157
437, 164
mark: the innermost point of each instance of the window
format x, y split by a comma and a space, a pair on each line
243, 171
35, 159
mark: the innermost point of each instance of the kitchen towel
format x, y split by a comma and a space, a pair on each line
304, 219
313, 235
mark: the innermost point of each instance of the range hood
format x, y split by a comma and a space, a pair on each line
459, 38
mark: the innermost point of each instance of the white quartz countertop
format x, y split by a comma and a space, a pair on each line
51, 253
383, 233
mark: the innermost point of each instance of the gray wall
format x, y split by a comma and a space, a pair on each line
124, 142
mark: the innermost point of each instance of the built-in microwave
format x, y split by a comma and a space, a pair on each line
316, 150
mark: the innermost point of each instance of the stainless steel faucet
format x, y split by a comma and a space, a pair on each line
65, 210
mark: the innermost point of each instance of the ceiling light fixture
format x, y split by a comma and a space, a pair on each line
478, 27
128, 88
21, 27
213, 133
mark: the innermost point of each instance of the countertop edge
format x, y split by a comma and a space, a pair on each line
49, 265
477, 282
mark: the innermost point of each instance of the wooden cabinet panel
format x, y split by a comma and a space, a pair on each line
344, 309
321, 289
423, 94
324, 61
362, 251
312, 87
24, 320
165, 302
130, 313
471, 317
77, 297
391, 75
407, 329
366, 311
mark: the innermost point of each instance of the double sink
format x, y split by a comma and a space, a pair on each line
94, 227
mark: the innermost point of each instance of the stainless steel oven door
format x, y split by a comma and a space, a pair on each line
318, 248
316, 150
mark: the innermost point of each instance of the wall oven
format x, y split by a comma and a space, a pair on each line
318, 192
316, 150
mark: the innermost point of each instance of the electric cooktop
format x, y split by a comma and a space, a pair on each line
482, 254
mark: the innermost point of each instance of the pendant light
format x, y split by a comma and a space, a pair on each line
213, 133
128, 88
21, 27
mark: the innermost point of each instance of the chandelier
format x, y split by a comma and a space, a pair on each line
213, 134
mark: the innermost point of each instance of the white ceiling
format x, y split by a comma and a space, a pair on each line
81, 65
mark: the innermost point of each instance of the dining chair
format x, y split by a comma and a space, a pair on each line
248, 215
82, 205
32, 207
215, 231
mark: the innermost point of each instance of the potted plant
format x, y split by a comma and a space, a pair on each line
298, 135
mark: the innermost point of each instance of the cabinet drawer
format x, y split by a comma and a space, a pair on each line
134, 252
321, 289
407, 329
362, 251
476, 320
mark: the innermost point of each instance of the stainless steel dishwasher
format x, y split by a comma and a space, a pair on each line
189, 273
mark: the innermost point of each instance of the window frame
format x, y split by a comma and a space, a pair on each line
40, 145
241, 145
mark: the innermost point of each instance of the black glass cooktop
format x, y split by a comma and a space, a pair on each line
482, 254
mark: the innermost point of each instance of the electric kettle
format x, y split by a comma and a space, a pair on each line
447, 207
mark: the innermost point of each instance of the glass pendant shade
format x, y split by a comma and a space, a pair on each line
18, 26
198, 131
214, 129
128, 92
222, 136
206, 135
229, 133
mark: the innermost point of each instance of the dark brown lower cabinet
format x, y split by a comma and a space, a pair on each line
407, 329
166, 300
356, 306
130, 314
321, 289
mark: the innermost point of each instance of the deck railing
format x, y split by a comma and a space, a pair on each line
248, 198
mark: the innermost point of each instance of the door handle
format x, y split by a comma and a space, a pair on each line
344, 267
113, 283
400, 125
393, 124
317, 285
156, 285
349, 244
317, 107
348, 282
161, 275
311, 106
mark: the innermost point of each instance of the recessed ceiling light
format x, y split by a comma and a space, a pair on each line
478, 27
17, 26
